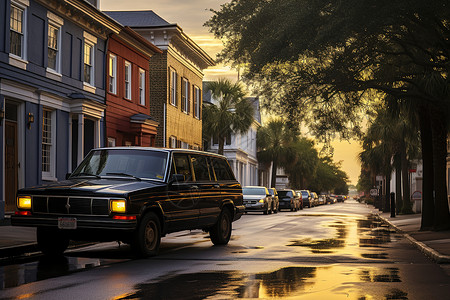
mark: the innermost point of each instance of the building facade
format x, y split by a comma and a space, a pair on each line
52, 89
175, 79
128, 122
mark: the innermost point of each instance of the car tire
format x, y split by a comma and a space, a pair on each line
147, 237
220, 233
52, 242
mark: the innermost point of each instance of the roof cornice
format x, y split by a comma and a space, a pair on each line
84, 14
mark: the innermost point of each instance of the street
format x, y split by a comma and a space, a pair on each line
337, 251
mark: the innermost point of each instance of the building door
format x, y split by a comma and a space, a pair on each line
11, 165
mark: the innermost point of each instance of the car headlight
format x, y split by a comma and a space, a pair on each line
24, 202
261, 200
118, 205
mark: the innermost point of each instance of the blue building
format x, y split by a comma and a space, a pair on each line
52, 89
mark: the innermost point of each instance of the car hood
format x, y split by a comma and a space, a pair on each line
81, 186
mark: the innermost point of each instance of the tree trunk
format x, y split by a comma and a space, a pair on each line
274, 173
439, 140
398, 183
387, 195
427, 161
406, 208
221, 145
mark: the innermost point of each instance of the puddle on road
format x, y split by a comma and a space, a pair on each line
334, 282
352, 236
45, 268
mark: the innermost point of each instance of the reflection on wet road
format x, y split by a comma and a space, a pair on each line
47, 267
333, 282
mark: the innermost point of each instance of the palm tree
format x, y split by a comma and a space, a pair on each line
274, 142
231, 113
391, 136
301, 167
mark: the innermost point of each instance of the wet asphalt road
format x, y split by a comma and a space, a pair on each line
330, 252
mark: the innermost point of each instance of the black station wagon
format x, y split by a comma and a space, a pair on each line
135, 195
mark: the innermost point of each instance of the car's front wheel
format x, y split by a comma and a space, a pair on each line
220, 233
147, 237
52, 242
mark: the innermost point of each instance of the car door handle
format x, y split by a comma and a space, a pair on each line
216, 186
194, 187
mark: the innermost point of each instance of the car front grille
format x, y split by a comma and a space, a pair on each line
70, 205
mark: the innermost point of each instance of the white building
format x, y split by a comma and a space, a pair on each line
240, 149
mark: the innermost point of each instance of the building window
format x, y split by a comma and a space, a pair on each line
112, 74
185, 96
197, 102
48, 142
88, 63
17, 33
111, 142
128, 80
173, 87
172, 142
184, 145
53, 47
141, 87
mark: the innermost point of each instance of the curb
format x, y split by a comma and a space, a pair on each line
428, 251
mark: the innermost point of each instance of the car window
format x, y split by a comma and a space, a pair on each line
222, 169
200, 165
182, 166
254, 191
140, 163
285, 194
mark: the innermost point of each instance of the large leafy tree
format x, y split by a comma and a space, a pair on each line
329, 177
229, 113
326, 60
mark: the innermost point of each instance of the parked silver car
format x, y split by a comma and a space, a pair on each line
257, 198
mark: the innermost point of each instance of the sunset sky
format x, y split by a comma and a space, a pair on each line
190, 16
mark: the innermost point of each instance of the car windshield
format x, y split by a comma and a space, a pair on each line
285, 194
254, 191
129, 163
271, 192
305, 194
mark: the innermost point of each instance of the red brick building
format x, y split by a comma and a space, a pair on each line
127, 116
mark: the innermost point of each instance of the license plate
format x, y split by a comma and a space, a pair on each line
67, 223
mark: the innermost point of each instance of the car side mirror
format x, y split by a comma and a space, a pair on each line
176, 178
68, 175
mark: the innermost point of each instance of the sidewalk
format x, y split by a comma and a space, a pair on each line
434, 244
19, 240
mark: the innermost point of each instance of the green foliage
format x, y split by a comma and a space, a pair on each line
231, 113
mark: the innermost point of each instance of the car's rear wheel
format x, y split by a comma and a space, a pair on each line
147, 237
220, 233
52, 242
